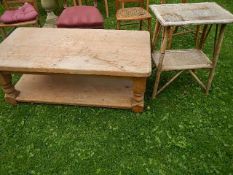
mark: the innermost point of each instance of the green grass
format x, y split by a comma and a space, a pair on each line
181, 132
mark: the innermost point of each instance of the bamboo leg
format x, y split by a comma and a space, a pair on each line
162, 54
216, 37
197, 36
205, 34
170, 39
176, 29
10, 92
155, 34
139, 87
106, 8
192, 72
170, 81
216, 56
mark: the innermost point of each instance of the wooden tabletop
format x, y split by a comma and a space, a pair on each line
77, 51
191, 13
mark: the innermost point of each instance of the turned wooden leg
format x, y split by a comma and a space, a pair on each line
8, 88
139, 87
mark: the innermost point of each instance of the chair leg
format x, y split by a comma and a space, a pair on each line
140, 25
4, 35
95, 3
118, 25
38, 23
149, 25
106, 8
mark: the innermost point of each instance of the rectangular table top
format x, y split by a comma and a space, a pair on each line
191, 13
77, 51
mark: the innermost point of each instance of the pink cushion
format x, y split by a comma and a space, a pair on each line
25, 13
80, 17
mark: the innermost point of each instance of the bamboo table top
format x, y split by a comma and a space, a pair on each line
191, 13
77, 51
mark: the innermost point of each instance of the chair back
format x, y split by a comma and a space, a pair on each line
14, 4
121, 3
75, 3
165, 1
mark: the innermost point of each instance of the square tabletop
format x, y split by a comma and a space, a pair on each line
77, 51
191, 13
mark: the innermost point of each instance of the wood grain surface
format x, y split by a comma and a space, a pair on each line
77, 51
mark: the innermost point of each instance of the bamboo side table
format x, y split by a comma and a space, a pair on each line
200, 14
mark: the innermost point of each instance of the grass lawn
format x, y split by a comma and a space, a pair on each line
183, 131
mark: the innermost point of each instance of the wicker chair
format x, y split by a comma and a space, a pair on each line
133, 13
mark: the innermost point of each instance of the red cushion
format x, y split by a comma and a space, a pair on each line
25, 13
80, 17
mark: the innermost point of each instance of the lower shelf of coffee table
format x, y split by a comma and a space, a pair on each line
75, 90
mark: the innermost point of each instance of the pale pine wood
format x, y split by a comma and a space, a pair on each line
125, 65
191, 13
183, 59
139, 87
75, 90
14, 4
77, 51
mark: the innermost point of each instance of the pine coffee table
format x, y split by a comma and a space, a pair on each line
106, 68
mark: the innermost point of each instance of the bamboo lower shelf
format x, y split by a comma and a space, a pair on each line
75, 90
183, 59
